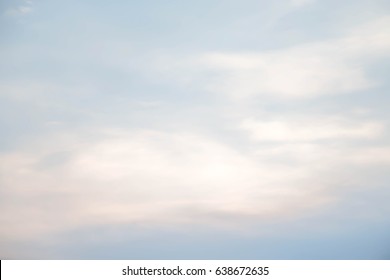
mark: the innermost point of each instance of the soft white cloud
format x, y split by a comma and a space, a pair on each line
328, 67
146, 177
326, 155
159, 178
311, 129
292, 73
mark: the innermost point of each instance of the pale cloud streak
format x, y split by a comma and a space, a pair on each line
155, 178
334, 66
311, 129
148, 177
23, 9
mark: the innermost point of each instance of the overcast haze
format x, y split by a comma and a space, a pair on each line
194, 129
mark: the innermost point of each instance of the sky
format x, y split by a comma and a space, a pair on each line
213, 129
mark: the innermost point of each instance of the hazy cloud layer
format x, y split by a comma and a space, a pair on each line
220, 122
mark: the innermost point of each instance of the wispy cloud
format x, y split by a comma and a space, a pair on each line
303, 71
311, 129
148, 177
307, 70
158, 178
23, 9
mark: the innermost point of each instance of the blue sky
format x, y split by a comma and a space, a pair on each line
194, 129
